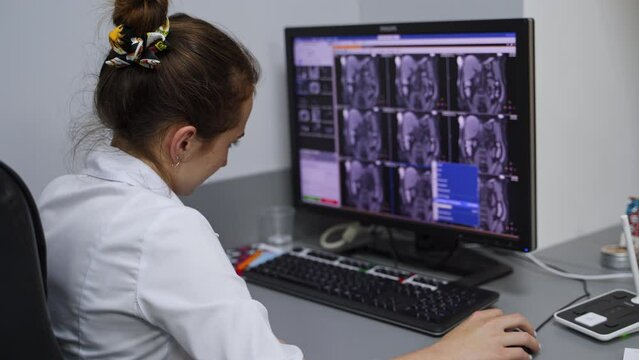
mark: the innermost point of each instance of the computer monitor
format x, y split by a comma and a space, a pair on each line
422, 126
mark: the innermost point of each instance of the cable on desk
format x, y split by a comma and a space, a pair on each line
586, 295
448, 255
560, 272
391, 241
563, 307
568, 275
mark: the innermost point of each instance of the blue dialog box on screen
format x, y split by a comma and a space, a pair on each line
456, 193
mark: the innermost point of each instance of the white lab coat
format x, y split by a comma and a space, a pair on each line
135, 274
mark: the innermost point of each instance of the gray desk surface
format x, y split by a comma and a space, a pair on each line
327, 333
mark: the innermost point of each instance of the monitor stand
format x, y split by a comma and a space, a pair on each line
473, 267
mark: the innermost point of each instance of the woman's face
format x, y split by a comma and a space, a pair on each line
206, 158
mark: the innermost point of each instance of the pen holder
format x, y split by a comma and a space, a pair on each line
616, 256
632, 211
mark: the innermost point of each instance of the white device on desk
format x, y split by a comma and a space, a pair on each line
612, 314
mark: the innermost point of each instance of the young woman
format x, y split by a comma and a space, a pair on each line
135, 274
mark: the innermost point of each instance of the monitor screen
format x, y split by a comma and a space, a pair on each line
426, 126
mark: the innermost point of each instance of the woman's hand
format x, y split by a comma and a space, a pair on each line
486, 335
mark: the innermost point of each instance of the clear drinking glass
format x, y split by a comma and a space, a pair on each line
276, 226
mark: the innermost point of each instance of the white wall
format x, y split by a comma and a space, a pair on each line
587, 120
433, 10
47, 53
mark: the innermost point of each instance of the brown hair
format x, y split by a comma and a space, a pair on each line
203, 78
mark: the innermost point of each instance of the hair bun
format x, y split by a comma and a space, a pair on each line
141, 16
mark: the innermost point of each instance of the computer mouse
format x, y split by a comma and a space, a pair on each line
527, 350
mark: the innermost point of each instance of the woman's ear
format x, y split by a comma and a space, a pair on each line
181, 142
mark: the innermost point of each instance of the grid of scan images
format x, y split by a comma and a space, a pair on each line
315, 102
399, 113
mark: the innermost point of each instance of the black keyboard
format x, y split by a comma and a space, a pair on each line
415, 301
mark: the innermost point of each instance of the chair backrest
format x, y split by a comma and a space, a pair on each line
25, 328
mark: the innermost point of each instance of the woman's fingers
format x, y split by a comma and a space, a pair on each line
488, 314
520, 338
515, 354
515, 321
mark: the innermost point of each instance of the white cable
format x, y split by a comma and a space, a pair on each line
541, 264
350, 232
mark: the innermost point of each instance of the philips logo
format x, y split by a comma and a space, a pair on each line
388, 28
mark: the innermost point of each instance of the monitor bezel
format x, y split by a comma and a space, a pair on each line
524, 30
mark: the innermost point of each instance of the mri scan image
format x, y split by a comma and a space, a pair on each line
483, 143
360, 81
418, 138
316, 114
364, 186
481, 83
313, 72
304, 115
314, 87
362, 136
313, 80
493, 205
416, 193
307, 73
417, 82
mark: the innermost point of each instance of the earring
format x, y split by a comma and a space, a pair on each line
177, 162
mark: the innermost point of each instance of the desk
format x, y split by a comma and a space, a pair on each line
326, 333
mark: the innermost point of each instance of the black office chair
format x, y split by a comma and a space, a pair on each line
25, 328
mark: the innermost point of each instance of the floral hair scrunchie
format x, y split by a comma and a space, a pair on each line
128, 48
